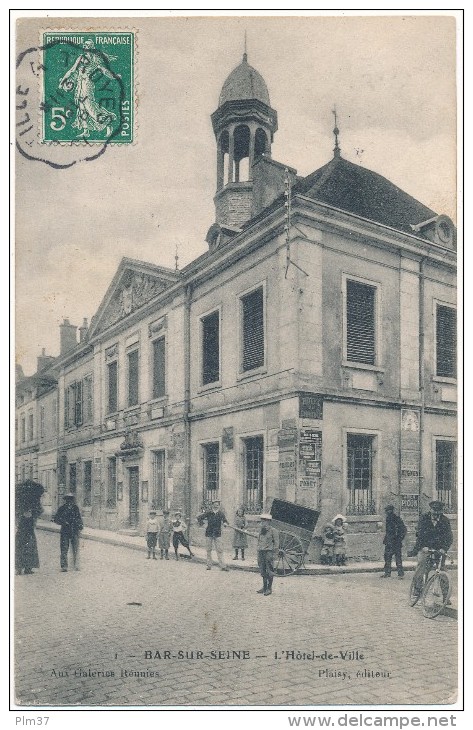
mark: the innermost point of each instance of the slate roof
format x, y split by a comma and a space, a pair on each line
357, 190
244, 82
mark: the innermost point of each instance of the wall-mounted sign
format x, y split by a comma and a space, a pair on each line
307, 451
313, 468
311, 406
409, 502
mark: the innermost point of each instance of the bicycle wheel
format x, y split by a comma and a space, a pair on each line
415, 591
435, 595
289, 555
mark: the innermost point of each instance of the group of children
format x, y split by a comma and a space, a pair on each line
160, 532
333, 550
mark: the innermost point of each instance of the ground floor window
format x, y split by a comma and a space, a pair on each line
72, 477
87, 493
446, 473
158, 494
112, 483
211, 472
360, 474
253, 463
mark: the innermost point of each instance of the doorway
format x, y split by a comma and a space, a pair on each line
134, 494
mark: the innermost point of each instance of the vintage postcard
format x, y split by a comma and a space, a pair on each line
236, 350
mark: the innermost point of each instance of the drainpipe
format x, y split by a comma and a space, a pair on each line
421, 378
187, 393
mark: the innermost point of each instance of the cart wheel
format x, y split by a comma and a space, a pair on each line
289, 555
436, 594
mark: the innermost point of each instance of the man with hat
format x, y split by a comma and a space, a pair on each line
213, 533
434, 532
268, 543
69, 517
395, 534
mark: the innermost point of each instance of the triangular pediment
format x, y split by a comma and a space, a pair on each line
135, 284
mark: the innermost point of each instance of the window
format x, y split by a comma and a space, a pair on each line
23, 429
211, 464
159, 367
446, 473
54, 415
87, 483
78, 403
133, 377
30, 426
112, 483
41, 422
446, 340
253, 330
211, 348
360, 323
158, 494
72, 477
112, 387
360, 474
253, 456
88, 399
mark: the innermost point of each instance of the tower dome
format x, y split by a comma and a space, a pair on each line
244, 82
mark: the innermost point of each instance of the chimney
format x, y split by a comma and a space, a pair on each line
83, 330
68, 333
43, 360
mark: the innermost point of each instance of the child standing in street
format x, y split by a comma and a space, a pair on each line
328, 545
240, 541
179, 527
339, 536
165, 532
152, 528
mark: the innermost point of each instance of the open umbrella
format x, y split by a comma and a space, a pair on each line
28, 497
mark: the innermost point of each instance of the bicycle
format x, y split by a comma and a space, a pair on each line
435, 590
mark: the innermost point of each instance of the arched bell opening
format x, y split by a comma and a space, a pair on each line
223, 156
261, 143
241, 153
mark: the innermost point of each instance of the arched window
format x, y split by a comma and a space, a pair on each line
241, 141
261, 142
222, 162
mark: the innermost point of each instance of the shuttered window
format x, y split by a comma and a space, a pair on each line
211, 348
361, 339
159, 367
112, 373
133, 378
446, 341
253, 330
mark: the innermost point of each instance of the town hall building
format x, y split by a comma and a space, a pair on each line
309, 355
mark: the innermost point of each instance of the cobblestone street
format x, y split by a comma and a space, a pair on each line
135, 632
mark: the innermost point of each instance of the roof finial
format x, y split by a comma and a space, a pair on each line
336, 131
176, 258
245, 54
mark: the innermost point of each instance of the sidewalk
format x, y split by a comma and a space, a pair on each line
137, 542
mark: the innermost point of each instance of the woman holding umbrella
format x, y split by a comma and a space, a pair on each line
27, 510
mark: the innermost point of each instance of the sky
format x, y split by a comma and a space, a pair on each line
392, 80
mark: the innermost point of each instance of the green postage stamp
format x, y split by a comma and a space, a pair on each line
88, 81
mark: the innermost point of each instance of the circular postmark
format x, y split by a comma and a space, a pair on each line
74, 97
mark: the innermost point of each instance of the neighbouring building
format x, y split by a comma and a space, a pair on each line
309, 355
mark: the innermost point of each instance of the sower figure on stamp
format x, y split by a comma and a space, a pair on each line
69, 517
395, 534
213, 534
268, 543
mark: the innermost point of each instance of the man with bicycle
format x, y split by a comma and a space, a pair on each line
434, 532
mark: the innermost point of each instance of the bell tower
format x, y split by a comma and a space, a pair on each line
244, 124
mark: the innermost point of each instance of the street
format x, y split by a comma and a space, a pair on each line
128, 631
